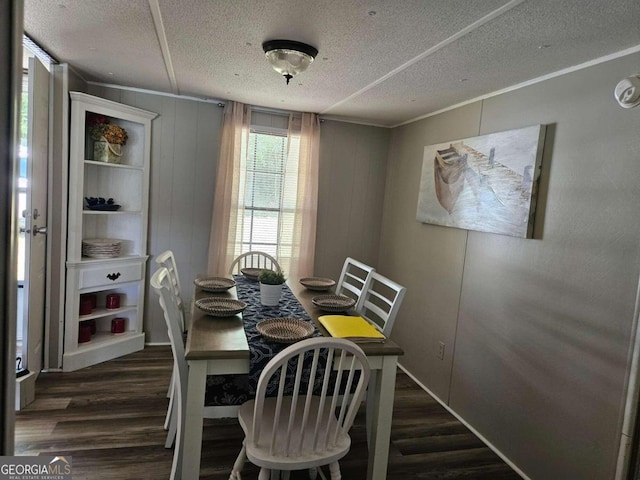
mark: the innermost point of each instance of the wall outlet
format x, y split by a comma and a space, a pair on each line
441, 350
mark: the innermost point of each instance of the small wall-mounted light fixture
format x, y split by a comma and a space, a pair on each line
288, 57
627, 92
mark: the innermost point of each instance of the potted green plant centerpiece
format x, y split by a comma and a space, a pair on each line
270, 286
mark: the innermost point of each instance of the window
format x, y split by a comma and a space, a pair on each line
268, 173
270, 193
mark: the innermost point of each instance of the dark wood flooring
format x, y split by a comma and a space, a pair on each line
109, 419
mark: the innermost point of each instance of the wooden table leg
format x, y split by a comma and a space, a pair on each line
192, 431
379, 417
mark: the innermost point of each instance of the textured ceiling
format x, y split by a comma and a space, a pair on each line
380, 62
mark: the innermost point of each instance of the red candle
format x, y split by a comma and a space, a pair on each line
113, 301
93, 297
84, 333
117, 325
85, 306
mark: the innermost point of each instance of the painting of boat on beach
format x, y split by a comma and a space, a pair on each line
487, 183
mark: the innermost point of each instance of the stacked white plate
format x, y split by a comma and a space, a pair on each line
101, 247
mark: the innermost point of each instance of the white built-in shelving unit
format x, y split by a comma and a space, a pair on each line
127, 183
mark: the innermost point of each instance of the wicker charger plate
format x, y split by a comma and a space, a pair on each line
285, 330
333, 303
251, 273
317, 283
214, 284
220, 307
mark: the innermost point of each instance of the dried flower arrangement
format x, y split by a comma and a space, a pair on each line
101, 129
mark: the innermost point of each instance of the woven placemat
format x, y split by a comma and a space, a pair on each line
318, 284
251, 273
214, 284
285, 330
333, 303
220, 307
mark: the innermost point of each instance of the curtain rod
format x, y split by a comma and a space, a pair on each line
274, 111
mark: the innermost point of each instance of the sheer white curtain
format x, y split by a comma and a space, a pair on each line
299, 204
228, 205
296, 249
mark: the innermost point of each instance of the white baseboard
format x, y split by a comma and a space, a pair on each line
464, 422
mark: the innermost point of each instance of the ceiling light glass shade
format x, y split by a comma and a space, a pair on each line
289, 58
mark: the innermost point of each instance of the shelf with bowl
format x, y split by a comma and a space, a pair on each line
124, 258
103, 208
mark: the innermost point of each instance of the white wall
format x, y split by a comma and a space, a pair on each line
353, 162
537, 331
184, 153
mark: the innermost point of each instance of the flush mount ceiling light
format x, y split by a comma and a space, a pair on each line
288, 57
627, 92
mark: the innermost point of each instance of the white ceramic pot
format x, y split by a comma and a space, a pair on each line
270, 294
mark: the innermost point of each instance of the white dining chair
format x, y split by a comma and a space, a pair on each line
162, 284
254, 259
167, 260
380, 304
354, 279
381, 301
302, 429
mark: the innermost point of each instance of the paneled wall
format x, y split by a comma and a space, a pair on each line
353, 162
537, 331
184, 152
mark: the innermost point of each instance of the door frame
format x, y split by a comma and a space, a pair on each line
11, 28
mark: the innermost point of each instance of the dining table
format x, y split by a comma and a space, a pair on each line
219, 346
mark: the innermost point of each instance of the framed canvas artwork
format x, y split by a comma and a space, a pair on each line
486, 183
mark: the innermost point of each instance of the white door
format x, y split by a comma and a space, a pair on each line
35, 216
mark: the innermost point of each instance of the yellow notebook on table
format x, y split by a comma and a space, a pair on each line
357, 329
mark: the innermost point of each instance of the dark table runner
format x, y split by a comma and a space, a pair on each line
237, 389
